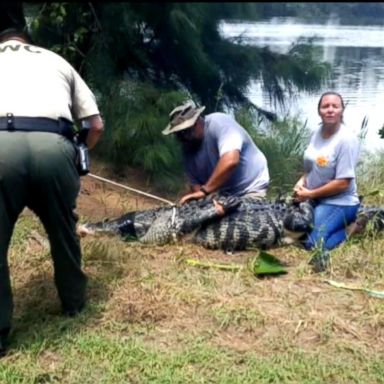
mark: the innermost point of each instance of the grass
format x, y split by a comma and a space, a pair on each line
90, 356
151, 318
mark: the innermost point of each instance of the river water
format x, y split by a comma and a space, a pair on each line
356, 54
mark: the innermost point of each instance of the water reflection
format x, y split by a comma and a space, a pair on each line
356, 54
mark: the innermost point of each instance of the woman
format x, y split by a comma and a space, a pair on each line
329, 180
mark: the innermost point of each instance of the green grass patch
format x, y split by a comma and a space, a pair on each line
94, 357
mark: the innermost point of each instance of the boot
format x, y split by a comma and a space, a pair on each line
3, 342
73, 311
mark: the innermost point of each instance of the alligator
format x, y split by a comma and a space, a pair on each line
218, 222
227, 222
257, 224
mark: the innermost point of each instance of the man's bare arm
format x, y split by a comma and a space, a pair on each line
96, 128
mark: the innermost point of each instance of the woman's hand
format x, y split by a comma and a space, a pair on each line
301, 193
300, 183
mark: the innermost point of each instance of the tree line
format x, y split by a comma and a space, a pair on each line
141, 59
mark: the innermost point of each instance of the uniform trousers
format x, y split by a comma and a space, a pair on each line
38, 171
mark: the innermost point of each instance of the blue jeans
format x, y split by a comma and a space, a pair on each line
330, 224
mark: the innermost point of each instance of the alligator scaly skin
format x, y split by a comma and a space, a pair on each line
256, 224
172, 224
247, 223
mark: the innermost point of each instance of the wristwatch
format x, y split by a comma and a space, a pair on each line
202, 189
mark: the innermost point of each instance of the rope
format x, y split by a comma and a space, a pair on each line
173, 216
131, 189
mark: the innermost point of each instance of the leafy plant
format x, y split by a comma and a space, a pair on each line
283, 143
135, 114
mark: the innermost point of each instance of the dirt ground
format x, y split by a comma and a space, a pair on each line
101, 199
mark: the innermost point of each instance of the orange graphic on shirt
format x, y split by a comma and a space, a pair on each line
322, 161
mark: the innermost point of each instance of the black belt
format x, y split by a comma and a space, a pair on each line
61, 126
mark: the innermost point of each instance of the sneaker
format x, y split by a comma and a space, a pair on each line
320, 261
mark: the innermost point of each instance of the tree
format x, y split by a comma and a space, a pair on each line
142, 59
174, 45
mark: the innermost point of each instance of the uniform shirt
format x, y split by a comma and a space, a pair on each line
36, 82
333, 158
221, 135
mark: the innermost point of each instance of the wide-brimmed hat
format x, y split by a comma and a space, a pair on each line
183, 117
12, 17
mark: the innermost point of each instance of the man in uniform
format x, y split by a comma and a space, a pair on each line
41, 95
219, 155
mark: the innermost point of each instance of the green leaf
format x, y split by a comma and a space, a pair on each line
35, 23
62, 10
263, 264
207, 265
266, 264
373, 193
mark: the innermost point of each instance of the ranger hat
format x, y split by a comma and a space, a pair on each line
12, 18
183, 117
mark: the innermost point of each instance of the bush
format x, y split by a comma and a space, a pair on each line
283, 143
135, 113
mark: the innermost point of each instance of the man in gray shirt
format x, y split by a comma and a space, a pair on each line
219, 155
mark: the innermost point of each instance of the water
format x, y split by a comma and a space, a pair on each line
356, 54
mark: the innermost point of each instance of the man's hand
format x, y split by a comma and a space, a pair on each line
192, 196
83, 231
220, 210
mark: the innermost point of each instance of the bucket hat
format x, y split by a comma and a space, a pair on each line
183, 117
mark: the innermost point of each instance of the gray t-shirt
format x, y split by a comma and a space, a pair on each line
223, 134
333, 158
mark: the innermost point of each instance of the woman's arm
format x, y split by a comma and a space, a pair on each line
334, 187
